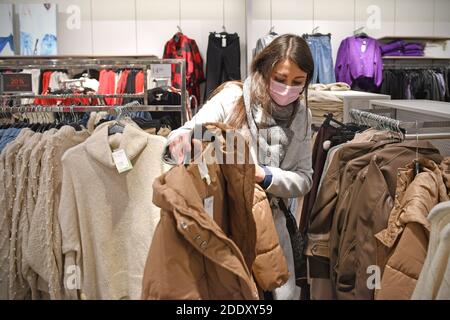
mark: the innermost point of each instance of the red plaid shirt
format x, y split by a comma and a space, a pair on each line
182, 47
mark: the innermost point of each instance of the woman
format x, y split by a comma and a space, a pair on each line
269, 99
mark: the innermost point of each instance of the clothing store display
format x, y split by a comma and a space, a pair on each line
320, 46
359, 57
296, 193
223, 61
243, 231
428, 84
92, 238
401, 48
163, 96
337, 86
182, 47
406, 235
320, 102
8, 156
121, 85
319, 155
44, 248
263, 42
364, 215
34, 170
107, 85
139, 85
392, 46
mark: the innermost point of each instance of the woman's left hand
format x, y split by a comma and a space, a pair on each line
259, 174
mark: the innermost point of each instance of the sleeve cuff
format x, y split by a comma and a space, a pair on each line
267, 179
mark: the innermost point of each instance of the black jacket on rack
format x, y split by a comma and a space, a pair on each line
429, 84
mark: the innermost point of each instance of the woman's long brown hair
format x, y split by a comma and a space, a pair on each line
287, 46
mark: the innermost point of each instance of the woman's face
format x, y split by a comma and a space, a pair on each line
287, 72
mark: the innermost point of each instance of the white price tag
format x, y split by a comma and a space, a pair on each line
121, 160
208, 205
161, 70
364, 47
224, 42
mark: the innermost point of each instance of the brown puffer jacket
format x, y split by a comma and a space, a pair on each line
407, 232
213, 240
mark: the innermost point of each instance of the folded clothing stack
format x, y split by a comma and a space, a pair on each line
401, 48
321, 100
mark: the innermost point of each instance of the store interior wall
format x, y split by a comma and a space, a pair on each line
136, 27
341, 18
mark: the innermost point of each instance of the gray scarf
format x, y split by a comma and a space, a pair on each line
272, 132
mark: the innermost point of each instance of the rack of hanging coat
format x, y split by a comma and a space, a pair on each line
144, 63
368, 208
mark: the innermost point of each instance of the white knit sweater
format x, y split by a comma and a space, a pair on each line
108, 219
44, 238
6, 208
34, 172
17, 282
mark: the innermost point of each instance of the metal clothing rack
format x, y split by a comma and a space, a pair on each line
75, 108
382, 122
411, 64
143, 63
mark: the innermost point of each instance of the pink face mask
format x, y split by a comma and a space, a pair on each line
282, 94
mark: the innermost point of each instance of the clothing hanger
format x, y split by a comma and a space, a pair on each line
359, 33
272, 31
224, 29
117, 127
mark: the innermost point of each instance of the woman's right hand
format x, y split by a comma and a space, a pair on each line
180, 146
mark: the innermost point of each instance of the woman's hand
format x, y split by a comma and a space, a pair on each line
180, 146
260, 174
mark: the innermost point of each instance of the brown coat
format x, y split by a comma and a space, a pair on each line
196, 254
346, 217
321, 217
353, 246
407, 233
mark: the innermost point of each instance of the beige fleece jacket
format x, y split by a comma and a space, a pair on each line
44, 242
108, 219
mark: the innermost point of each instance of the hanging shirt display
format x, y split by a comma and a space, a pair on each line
106, 232
223, 60
359, 59
320, 46
182, 47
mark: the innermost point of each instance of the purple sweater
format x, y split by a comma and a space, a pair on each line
359, 57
